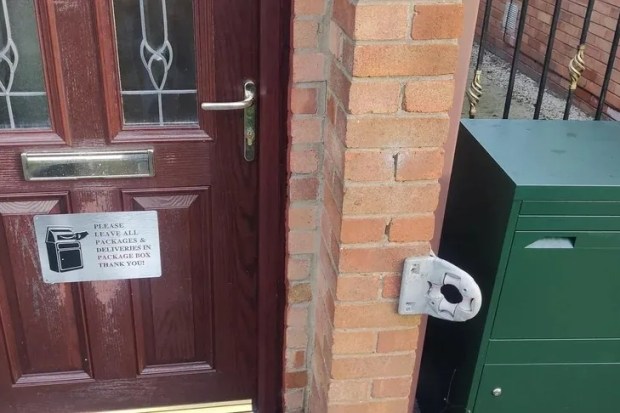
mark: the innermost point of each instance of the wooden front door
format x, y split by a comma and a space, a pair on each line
81, 75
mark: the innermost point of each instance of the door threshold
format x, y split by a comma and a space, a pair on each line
239, 406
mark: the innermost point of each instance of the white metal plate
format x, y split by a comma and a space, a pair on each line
98, 246
420, 292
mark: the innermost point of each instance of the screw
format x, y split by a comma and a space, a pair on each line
497, 392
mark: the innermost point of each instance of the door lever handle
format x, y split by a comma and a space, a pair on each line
250, 96
249, 117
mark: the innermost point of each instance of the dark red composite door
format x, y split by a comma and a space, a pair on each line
80, 75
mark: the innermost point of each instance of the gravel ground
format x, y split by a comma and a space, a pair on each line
495, 76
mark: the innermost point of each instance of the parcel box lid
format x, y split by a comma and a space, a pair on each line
582, 157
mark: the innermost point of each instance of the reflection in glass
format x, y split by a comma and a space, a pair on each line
156, 61
23, 102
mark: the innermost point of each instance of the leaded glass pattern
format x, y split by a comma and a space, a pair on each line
155, 41
23, 101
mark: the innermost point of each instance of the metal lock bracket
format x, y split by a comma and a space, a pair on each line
424, 286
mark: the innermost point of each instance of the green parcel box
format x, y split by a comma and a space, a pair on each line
533, 214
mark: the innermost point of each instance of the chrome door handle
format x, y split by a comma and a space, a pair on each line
250, 96
249, 117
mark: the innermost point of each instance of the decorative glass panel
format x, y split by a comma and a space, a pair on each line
156, 61
23, 102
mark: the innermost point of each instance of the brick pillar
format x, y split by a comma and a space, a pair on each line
389, 89
306, 119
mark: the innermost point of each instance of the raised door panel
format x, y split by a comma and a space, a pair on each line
43, 324
174, 312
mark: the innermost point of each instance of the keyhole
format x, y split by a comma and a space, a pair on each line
452, 294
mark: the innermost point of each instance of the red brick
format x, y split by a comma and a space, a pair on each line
371, 315
371, 366
344, 15
303, 188
379, 259
294, 399
302, 216
404, 59
369, 166
298, 268
386, 406
395, 132
304, 160
304, 100
296, 338
381, 21
332, 109
429, 96
364, 288
419, 164
397, 387
414, 228
336, 185
295, 380
362, 230
437, 21
297, 316
397, 340
299, 359
335, 39
361, 96
348, 391
354, 342
305, 34
299, 293
323, 328
348, 53
339, 84
306, 130
374, 97
334, 152
296, 359
391, 286
308, 7
332, 215
326, 273
308, 67
372, 21
301, 242
331, 246
394, 198
317, 399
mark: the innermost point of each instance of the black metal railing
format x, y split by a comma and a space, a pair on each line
548, 53
544, 64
